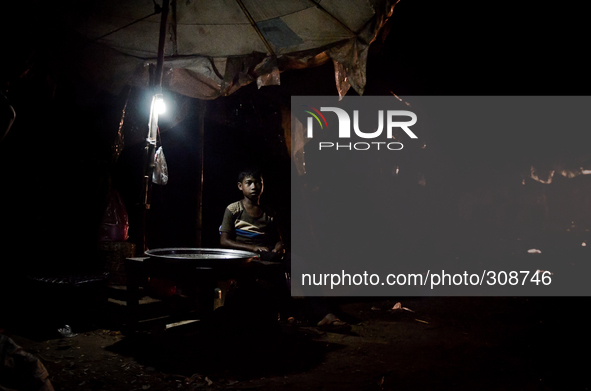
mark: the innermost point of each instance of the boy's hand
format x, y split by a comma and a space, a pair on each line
259, 249
279, 248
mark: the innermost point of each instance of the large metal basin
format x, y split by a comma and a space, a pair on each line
201, 257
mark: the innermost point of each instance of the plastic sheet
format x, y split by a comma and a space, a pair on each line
160, 173
66, 331
341, 79
115, 224
269, 79
119, 143
297, 148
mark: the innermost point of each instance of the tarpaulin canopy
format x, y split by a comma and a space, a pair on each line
215, 47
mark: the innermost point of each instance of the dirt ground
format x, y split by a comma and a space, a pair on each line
458, 343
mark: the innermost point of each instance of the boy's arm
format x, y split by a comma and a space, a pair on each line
279, 247
227, 241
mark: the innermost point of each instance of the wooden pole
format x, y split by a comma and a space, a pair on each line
199, 238
161, 42
150, 149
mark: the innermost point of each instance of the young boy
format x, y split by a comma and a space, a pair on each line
247, 225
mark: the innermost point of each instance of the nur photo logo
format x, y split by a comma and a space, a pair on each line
342, 125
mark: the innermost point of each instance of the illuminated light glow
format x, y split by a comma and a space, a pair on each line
159, 105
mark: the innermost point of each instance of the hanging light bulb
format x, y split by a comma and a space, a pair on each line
159, 105
156, 109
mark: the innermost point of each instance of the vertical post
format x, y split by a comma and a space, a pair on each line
150, 149
199, 238
161, 42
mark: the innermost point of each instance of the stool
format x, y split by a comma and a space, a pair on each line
201, 282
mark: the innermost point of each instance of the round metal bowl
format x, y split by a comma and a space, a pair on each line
204, 257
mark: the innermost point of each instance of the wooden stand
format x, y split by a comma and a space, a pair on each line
199, 284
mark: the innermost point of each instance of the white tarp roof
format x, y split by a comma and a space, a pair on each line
212, 48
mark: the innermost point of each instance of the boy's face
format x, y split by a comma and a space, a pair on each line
251, 187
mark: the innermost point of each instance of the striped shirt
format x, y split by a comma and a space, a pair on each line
260, 230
